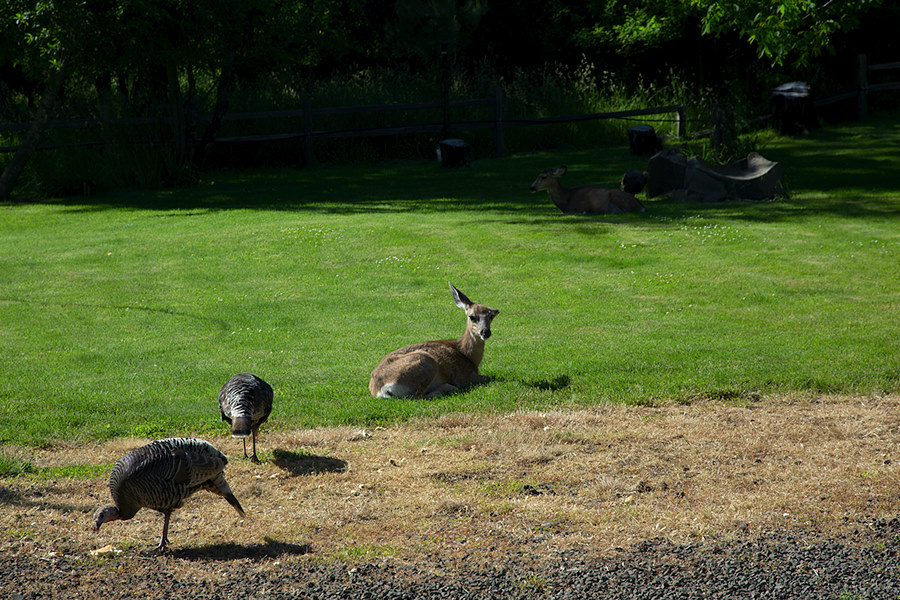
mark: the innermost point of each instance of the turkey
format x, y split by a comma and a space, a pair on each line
160, 476
245, 401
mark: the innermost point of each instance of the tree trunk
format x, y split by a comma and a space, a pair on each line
15, 167
176, 109
225, 85
224, 88
103, 88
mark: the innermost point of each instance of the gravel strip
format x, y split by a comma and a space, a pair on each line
863, 564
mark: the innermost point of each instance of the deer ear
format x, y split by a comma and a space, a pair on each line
560, 171
461, 300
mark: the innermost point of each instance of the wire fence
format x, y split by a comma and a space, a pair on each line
308, 132
670, 114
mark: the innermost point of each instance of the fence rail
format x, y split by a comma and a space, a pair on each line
863, 70
309, 133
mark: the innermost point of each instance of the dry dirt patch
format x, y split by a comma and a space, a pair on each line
528, 486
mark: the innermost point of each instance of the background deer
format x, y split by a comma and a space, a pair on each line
584, 198
433, 368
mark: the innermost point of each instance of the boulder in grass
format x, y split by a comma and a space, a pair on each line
752, 178
665, 172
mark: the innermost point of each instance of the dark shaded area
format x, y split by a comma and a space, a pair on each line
857, 158
33, 497
551, 385
257, 57
223, 552
537, 490
306, 464
217, 323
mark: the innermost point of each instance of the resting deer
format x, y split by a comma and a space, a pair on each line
433, 368
584, 198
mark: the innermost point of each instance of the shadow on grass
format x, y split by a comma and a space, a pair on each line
269, 549
218, 323
848, 171
35, 497
550, 385
375, 189
297, 463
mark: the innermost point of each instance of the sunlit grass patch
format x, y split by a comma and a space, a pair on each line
122, 314
12, 463
77, 471
361, 552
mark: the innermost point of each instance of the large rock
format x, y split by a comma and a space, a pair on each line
665, 172
751, 178
695, 180
701, 184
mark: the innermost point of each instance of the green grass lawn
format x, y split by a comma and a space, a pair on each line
123, 313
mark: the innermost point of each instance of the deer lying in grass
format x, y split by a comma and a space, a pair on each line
584, 198
430, 369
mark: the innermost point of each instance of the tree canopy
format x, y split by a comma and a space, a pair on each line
151, 53
797, 30
133, 41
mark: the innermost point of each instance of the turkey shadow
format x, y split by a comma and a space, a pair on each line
550, 385
306, 464
230, 551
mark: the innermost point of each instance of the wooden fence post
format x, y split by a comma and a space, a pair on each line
499, 145
681, 122
862, 78
310, 158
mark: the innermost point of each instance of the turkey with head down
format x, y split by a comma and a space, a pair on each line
161, 476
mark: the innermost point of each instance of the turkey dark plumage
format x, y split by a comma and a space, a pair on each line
160, 476
245, 402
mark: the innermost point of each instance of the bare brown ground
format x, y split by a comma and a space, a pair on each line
527, 486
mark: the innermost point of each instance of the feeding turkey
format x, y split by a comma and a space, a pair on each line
161, 476
245, 402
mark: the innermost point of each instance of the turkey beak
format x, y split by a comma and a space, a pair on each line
99, 519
